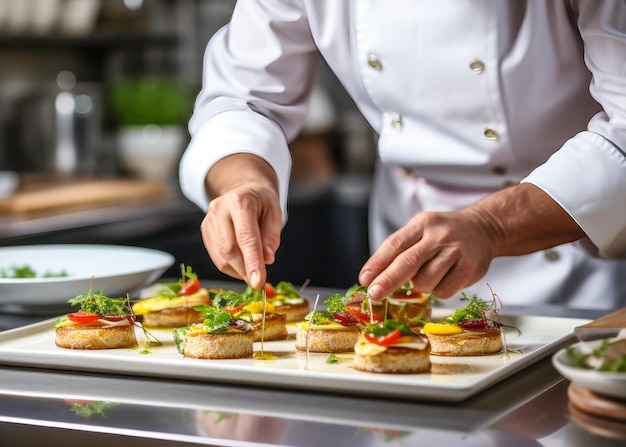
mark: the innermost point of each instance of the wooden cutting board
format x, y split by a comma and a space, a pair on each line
604, 327
81, 194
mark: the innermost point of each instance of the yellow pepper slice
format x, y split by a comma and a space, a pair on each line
257, 307
441, 329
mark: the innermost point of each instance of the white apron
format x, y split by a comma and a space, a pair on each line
566, 275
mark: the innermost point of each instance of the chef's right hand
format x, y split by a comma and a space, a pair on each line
241, 230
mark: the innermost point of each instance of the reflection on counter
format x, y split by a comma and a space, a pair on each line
528, 409
214, 426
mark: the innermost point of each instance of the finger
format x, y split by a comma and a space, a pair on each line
461, 275
450, 284
399, 272
219, 239
248, 237
388, 252
432, 272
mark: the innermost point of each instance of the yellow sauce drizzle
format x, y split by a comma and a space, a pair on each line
262, 355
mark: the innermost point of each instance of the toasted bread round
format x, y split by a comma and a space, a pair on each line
229, 345
179, 316
293, 312
275, 327
394, 361
466, 343
95, 337
327, 340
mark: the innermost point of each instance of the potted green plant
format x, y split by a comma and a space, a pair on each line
150, 115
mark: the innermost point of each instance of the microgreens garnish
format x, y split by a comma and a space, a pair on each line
96, 303
387, 326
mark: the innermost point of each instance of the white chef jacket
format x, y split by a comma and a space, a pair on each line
466, 96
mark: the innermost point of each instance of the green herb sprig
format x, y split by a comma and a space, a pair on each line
386, 327
473, 310
96, 302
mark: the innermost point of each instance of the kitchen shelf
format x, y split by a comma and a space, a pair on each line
90, 41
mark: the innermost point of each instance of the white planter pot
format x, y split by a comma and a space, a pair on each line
151, 151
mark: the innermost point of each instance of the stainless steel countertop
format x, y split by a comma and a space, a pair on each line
39, 405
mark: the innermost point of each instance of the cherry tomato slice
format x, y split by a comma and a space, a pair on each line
269, 290
234, 309
83, 317
385, 339
189, 287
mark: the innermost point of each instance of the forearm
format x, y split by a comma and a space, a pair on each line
238, 170
522, 219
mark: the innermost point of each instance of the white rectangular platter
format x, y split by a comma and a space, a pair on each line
452, 379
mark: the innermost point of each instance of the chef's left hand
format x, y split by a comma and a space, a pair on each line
438, 253
443, 252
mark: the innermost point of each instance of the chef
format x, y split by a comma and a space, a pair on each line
501, 140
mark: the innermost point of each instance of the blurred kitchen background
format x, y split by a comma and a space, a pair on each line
94, 100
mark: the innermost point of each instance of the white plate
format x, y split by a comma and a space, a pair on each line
455, 379
604, 382
117, 269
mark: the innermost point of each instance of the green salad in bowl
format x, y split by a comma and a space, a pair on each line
608, 355
599, 365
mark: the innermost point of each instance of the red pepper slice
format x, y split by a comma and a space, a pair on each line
384, 340
83, 317
473, 325
269, 290
189, 287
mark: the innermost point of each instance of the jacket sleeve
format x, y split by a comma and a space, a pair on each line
587, 176
258, 74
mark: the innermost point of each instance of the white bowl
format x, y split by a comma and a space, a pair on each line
151, 151
119, 270
608, 383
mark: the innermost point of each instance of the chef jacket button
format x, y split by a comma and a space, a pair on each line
551, 255
477, 66
374, 62
490, 134
397, 122
500, 170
